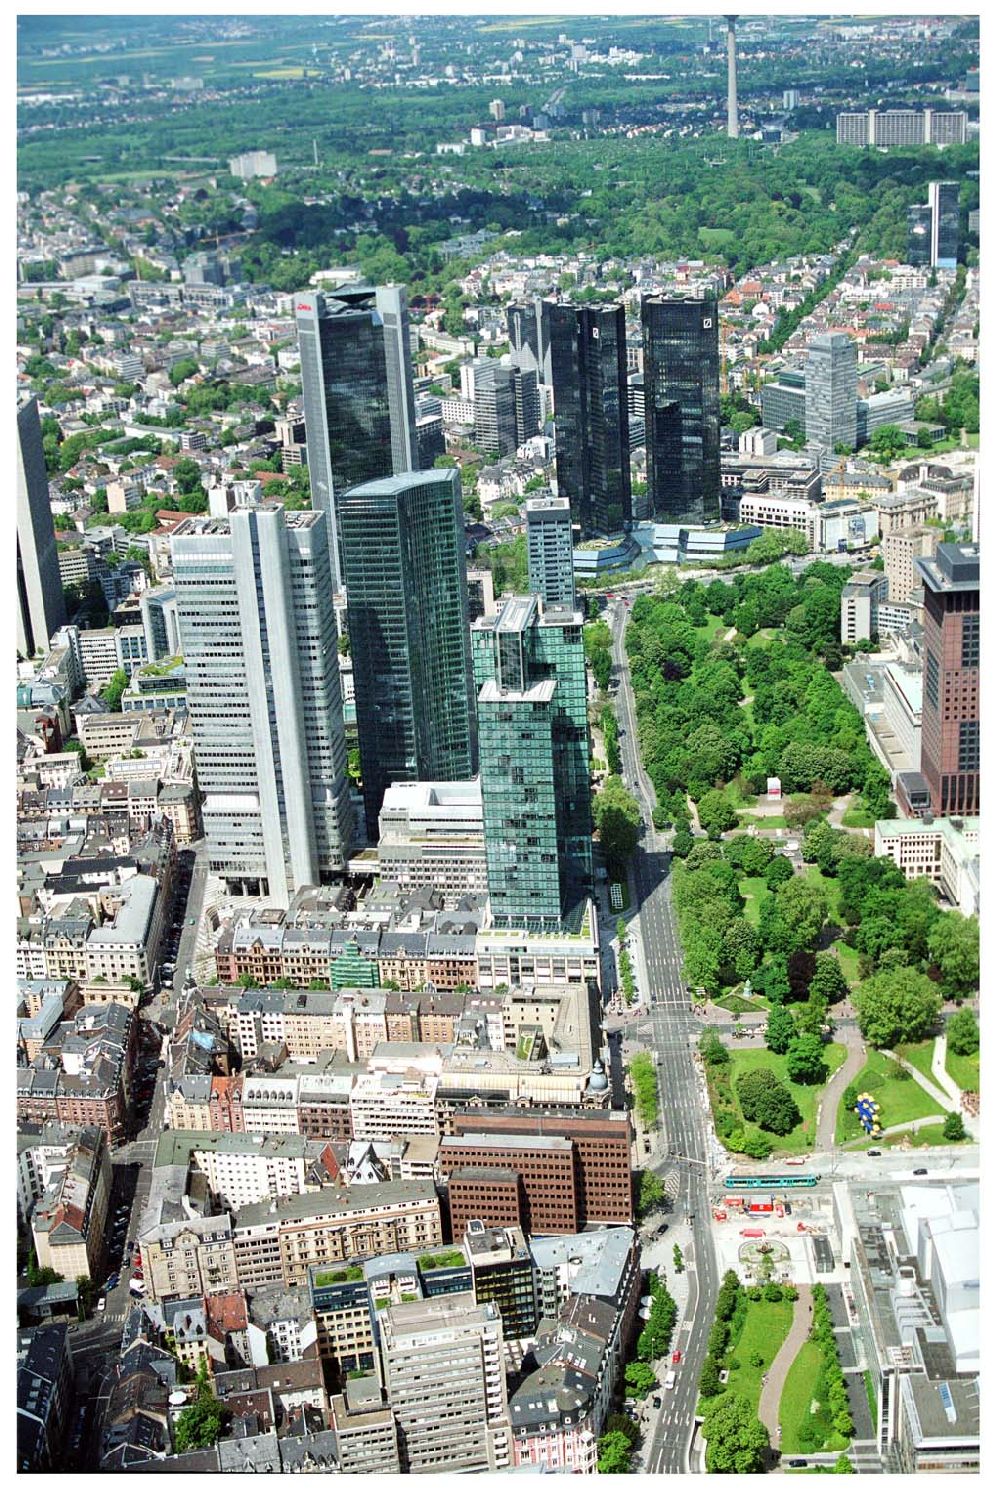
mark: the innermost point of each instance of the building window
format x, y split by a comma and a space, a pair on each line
970, 642
931, 679
968, 747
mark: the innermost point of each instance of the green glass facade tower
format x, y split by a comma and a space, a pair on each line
534, 763
408, 619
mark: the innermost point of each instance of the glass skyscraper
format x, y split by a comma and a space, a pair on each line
590, 394
408, 619
41, 608
357, 394
942, 198
259, 638
680, 351
534, 763
918, 234
832, 391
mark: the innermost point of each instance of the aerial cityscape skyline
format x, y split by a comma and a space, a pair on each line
498, 744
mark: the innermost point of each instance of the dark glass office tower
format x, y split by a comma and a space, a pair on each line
408, 619
942, 198
680, 347
918, 234
357, 394
590, 393
41, 608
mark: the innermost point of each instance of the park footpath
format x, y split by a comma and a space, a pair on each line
770, 1396
833, 1094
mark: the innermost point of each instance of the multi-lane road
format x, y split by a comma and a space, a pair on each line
673, 1031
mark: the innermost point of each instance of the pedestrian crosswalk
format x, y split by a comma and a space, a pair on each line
672, 1185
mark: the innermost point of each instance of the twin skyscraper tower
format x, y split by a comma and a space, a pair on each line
262, 596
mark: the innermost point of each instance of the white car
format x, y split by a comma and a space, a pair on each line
102, 1303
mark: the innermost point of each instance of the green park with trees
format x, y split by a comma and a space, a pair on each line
716, 720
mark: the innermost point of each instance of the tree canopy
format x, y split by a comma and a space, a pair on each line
897, 1006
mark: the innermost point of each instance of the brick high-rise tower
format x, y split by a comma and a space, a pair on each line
950, 736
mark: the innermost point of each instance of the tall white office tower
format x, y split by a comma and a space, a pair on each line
733, 113
832, 391
259, 639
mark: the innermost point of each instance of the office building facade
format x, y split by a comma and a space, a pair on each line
585, 1175
407, 615
680, 341
357, 394
784, 401
550, 551
258, 634
949, 756
918, 234
528, 332
942, 198
41, 609
590, 394
442, 1365
832, 391
495, 406
158, 609
531, 681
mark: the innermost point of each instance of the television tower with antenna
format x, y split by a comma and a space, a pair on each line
733, 124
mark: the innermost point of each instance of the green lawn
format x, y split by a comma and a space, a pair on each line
964, 1071
734, 1002
737, 800
765, 821
856, 817
764, 1331
710, 628
804, 1384
753, 889
901, 1100
921, 1056
850, 960
806, 1096
923, 1136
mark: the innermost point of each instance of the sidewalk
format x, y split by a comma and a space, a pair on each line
944, 1079
770, 1396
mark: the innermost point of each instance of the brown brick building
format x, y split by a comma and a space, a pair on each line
598, 1148
543, 1166
949, 758
491, 1194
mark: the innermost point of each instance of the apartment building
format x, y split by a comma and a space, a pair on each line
280, 1240
67, 1224
191, 1257
900, 548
